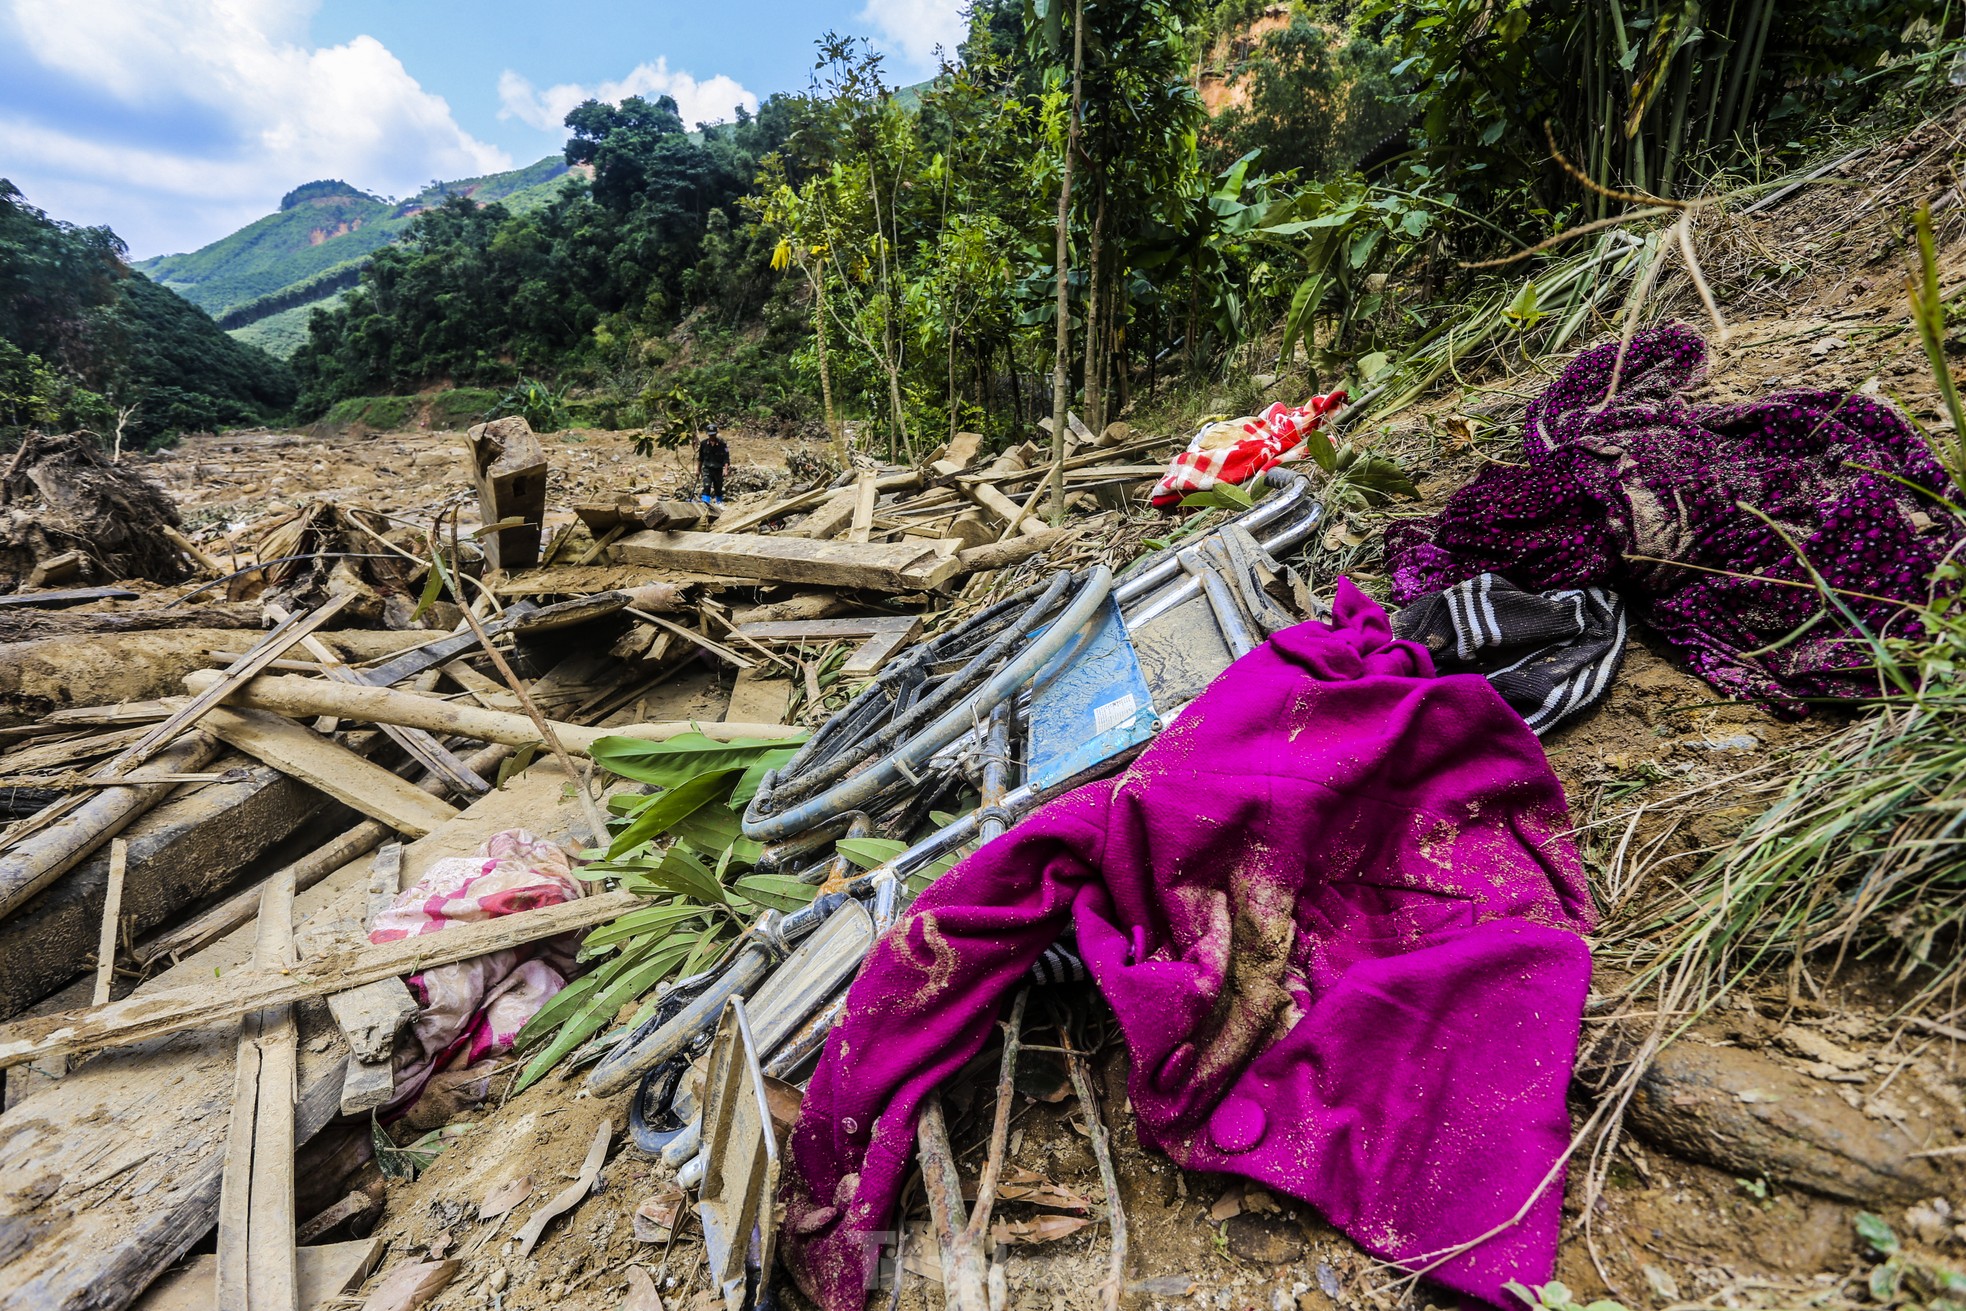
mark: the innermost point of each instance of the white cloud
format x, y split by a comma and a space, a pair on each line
262, 111
916, 27
710, 101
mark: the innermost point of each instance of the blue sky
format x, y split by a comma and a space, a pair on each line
178, 121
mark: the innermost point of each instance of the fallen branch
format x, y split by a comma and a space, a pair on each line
307, 697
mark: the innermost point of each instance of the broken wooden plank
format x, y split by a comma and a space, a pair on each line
833, 515
192, 845
865, 497
303, 697
119, 1162
358, 784
508, 468
421, 659
882, 567
371, 1016
881, 637
325, 1273
892, 482
959, 455
112, 913
140, 1017
33, 861
987, 496
68, 596
257, 1268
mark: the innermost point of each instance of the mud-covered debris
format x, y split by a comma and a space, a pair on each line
1745, 1113
62, 496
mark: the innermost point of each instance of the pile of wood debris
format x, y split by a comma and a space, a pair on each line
214, 813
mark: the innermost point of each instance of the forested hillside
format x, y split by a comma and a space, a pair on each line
852, 252
315, 246
86, 342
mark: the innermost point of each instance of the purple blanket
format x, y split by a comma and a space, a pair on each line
1336, 915
1628, 493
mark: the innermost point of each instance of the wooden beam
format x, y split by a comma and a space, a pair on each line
897, 567
67, 597
112, 913
832, 515
987, 496
508, 467
881, 637
358, 784
33, 861
257, 1268
865, 497
306, 697
142, 1016
119, 1162
326, 1272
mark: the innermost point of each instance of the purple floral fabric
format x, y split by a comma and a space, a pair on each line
1335, 911
1647, 493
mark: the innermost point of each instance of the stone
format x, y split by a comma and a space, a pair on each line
1742, 1112
1264, 1239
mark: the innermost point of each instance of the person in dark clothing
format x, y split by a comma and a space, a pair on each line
712, 458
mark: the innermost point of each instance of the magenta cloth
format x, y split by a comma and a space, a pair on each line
1624, 492
1335, 910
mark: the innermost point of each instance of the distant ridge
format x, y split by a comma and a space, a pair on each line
262, 282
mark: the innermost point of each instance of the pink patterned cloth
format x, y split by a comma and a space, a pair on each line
1236, 450
1338, 915
478, 1006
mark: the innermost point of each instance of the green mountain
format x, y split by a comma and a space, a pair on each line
262, 282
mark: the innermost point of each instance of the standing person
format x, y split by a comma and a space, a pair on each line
712, 457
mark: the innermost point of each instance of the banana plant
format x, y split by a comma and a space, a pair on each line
680, 845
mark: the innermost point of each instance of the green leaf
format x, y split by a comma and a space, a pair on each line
1380, 479
682, 872
1303, 309
754, 777
1522, 311
1318, 443
777, 891
684, 757
1873, 1230
1371, 366
592, 1017
433, 588
870, 853
667, 808
654, 920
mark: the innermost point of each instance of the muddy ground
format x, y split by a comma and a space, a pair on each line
1814, 293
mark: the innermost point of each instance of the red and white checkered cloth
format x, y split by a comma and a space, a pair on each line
1236, 450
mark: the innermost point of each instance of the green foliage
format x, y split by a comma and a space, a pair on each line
1318, 101
701, 893
1649, 95
1554, 1296
322, 235
1900, 1279
543, 409
106, 342
33, 395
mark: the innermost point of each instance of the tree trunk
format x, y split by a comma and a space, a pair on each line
1062, 355
833, 429
1095, 322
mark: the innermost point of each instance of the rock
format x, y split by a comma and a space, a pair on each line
1264, 1239
1744, 1113
1931, 1221
1812, 1046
